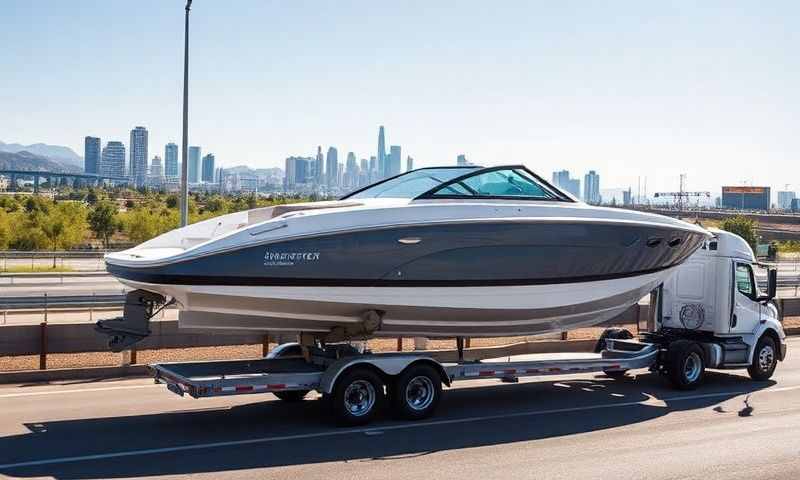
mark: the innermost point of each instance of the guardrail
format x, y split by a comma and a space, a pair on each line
25, 278
14, 254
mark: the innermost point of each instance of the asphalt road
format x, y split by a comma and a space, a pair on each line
580, 426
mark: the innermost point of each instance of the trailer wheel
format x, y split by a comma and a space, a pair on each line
291, 395
686, 365
765, 359
416, 392
615, 333
357, 396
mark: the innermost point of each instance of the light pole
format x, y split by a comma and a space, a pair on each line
184, 200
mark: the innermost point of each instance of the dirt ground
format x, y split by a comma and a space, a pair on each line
73, 360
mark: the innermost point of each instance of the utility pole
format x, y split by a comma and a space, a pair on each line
184, 200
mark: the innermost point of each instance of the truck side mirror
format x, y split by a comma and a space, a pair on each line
772, 283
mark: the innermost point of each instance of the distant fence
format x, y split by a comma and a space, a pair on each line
14, 254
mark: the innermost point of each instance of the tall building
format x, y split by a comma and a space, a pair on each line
363, 173
374, 172
299, 171
393, 161
208, 168
332, 167
137, 167
461, 160
194, 165
350, 171
171, 161
319, 167
381, 153
562, 180
91, 155
112, 162
785, 200
409, 164
591, 188
156, 169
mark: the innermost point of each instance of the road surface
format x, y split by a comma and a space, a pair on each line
580, 426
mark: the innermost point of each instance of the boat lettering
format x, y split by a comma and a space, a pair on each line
288, 259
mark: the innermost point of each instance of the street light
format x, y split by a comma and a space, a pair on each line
184, 201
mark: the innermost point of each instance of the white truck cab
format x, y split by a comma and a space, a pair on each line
714, 299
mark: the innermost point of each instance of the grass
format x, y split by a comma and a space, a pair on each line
36, 269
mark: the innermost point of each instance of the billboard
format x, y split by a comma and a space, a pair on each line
751, 190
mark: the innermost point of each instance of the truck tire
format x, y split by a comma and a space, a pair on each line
416, 392
291, 395
765, 358
686, 364
357, 396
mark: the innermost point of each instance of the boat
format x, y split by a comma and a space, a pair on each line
433, 252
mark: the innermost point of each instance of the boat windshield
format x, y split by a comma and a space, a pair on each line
412, 184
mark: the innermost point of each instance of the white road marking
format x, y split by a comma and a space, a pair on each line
334, 433
77, 390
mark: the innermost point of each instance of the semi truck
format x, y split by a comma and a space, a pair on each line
709, 315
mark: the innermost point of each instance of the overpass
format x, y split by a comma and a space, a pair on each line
87, 178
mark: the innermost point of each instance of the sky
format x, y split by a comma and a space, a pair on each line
630, 89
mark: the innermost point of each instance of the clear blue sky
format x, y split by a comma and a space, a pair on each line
627, 88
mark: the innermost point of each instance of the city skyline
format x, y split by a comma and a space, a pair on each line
635, 90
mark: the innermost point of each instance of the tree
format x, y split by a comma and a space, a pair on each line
744, 227
103, 221
91, 197
53, 228
5, 229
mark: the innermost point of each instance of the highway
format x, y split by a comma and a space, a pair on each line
580, 426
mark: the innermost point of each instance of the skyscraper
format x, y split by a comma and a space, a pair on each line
461, 160
155, 167
332, 167
112, 162
562, 180
137, 166
374, 172
591, 188
409, 164
208, 168
394, 163
350, 171
381, 153
194, 165
319, 167
91, 155
171, 161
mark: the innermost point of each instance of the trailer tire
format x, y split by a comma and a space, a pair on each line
686, 365
613, 333
357, 396
291, 395
765, 359
416, 392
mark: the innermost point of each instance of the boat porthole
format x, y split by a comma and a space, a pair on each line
653, 242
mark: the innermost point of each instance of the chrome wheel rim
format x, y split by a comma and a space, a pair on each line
359, 398
420, 393
766, 357
692, 367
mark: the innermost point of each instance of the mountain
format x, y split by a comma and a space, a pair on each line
64, 155
29, 161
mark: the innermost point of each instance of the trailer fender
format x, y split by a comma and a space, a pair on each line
388, 366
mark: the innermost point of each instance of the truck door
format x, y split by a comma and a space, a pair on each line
746, 309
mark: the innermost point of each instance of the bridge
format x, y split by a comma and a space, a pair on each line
86, 178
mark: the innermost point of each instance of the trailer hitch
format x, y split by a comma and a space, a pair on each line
134, 324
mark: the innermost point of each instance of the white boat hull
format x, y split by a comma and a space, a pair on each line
490, 311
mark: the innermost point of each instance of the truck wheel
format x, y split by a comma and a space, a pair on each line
356, 397
765, 359
686, 365
291, 395
416, 392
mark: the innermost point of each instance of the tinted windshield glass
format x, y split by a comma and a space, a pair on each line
497, 183
412, 184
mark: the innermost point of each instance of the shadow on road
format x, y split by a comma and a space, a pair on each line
566, 407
